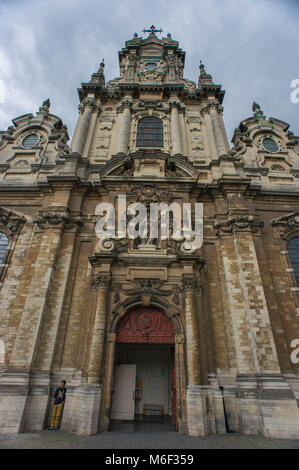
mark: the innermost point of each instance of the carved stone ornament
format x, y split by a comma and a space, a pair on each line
125, 103
190, 284
56, 217
149, 287
147, 193
238, 223
114, 245
100, 281
89, 102
214, 105
285, 224
11, 221
145, 325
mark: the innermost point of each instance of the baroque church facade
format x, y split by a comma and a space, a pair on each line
205, 336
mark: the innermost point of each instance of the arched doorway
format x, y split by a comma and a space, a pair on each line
144, 375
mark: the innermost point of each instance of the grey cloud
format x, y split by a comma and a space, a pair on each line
47, 48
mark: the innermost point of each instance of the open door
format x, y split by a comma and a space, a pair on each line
123, 397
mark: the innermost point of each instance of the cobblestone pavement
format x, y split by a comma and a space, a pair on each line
142, 440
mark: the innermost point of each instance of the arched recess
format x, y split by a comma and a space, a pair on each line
128, 320
168, 308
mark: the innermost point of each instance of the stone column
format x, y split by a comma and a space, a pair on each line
175, 128
91, 129
197, 418
220, 139
124, 133
88, 106
100, 283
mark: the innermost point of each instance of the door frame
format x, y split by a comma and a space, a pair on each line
180, 377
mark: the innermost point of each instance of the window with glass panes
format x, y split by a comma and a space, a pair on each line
150, 132
293, 250
3, 246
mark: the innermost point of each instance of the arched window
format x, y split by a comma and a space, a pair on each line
150, 132
3, 245
293, 249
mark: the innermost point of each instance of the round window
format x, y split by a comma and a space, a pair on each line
270, 145
151, 65
30, 141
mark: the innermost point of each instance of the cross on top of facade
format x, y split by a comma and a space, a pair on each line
152, 29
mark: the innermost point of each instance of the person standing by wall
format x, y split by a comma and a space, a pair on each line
57, 403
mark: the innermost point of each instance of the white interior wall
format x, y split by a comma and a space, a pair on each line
153, 367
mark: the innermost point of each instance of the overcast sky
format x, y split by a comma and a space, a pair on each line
48, 47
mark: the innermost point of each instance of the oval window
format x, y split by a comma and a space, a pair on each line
270, 145
151, 66
30, 141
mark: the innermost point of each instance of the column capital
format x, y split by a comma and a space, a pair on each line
125, 103
206, 109
89, 103
100, 281
238, 223
190, 283
56, 217
173, 103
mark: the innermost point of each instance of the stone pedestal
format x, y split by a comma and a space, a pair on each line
268, 406
13, 397
82, 409
37, 404
215, 409
197, 418
279, 410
